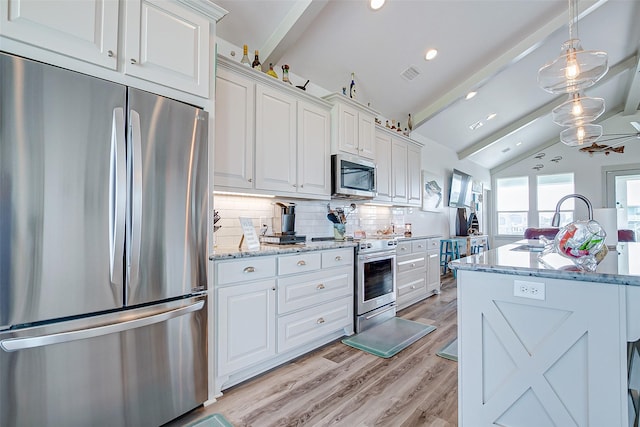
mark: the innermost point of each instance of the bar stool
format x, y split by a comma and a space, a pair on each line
449, 250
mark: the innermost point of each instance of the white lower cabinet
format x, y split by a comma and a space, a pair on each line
246, 325
270, 309
418, 271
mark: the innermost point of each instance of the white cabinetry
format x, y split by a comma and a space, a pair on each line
383, 167
418, 274
85, 30
398, 161
270, 309
433, 266
234, 130
353, 127
290, 133
167, 43
559, 359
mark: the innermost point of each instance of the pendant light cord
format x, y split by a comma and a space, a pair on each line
573, 21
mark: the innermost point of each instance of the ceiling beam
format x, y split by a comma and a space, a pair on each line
553, 141
295, 23
623, 65
633, 94
510, 57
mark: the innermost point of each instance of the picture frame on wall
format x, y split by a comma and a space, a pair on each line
433, 194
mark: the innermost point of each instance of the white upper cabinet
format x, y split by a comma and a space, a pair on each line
275, 140
353, 127
398, 161
288, 130
234, 130
383, 167
85, 30
168, 43
314, 133
414, 172
164, 42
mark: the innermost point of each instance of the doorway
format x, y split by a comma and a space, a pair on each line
622, 191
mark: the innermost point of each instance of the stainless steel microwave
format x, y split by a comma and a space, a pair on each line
352, 177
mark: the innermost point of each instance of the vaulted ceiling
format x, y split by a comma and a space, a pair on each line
494, 47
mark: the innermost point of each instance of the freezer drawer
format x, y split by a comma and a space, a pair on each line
140, 367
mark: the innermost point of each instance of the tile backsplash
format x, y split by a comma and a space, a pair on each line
311, 217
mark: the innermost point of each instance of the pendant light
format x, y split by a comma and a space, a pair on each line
580, 135
578, 110
575, 69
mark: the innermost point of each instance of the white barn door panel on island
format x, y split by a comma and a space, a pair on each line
555, 361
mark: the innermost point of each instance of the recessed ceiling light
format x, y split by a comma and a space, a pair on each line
471, 95
431, 53
475, 125
518, 144
376, 4
491, 116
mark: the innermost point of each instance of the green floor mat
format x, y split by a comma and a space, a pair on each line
215, 420
450, 351
389, 337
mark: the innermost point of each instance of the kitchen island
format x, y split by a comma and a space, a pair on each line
542, 344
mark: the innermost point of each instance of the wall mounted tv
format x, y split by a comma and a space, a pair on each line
460, 190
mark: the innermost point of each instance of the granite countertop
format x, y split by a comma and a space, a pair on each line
230, 252
621, 266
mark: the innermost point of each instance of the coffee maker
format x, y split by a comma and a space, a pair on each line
284, 225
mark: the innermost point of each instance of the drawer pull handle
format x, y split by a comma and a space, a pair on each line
301, 263
338, 258
249, 269
320, 286
110, 53
413, 286
320, 321
133, 61
413, 264
420, 246
403, 249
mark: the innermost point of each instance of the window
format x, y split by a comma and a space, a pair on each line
550, 189
512, 203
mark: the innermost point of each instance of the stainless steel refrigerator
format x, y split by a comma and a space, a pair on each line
103, 230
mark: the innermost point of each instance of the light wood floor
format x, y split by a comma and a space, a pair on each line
337, 385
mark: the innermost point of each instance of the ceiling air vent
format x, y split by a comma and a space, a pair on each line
410, 73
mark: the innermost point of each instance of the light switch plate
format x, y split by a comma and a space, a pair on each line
533, 290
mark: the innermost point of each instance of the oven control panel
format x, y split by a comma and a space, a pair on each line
377, 245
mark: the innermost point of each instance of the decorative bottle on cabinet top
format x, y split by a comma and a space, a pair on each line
256, 63
271, 72
245, 56
352, 87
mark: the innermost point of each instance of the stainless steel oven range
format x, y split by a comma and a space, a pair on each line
375, 282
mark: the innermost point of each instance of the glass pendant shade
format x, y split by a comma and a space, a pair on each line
578, 110
580, 135
575, 69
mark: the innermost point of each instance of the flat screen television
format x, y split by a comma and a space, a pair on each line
460, 195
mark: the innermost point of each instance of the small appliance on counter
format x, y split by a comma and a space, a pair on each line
284, 224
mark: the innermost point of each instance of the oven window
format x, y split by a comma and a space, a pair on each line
357, 177
378, 278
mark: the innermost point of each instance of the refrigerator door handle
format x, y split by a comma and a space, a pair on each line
136, 198
117, 196
15, 344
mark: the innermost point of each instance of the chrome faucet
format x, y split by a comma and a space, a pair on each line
555, 222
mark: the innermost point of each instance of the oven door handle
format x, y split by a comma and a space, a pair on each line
391, 307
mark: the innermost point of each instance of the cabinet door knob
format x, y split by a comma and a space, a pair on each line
301, 263
250, 180
110, 53
320, 321
273, 289
320, 286
338, 258
413, 264
413, 286
249, 269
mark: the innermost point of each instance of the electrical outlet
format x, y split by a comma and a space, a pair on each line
533, 290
